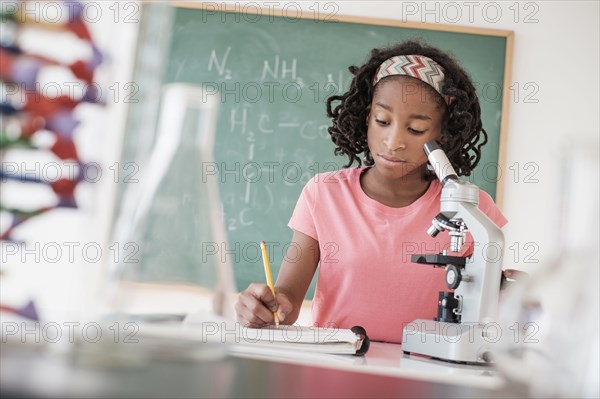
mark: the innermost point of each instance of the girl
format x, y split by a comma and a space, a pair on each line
362, 225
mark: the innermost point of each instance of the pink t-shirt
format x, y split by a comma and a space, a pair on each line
366, 277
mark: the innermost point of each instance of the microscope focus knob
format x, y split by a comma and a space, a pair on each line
453, 277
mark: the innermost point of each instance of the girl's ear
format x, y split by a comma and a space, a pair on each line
443, 136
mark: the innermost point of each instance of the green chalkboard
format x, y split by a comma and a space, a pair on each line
273, 75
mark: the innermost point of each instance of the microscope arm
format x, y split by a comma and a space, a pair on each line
485, 268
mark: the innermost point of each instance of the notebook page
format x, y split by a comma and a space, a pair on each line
298, 334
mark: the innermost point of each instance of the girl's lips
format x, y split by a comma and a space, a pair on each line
391, 162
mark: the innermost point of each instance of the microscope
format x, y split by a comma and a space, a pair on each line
464, 330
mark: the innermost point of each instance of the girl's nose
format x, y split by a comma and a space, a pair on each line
395, 140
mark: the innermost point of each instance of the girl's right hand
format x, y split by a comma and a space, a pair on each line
255, 306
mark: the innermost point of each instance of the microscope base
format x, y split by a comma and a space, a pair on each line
457, 342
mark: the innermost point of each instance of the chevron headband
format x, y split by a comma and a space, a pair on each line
417, 66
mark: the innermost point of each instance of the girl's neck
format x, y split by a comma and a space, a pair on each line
395, 193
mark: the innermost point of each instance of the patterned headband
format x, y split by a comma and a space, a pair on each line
417, 66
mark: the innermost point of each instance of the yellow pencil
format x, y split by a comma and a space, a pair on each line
265, 257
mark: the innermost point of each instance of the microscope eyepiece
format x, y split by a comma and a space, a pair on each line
431, 146
439, 161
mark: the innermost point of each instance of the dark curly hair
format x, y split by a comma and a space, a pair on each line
462, 130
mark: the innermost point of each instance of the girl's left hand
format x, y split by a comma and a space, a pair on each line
510, 276
514, 274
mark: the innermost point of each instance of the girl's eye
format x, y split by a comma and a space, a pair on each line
382, 123
416, 131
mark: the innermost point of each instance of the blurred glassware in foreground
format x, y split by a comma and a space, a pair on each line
175, 192
550, 322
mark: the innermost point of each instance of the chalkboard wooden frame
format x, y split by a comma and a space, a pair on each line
507, 34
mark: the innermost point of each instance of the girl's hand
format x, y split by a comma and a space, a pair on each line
255, 306
510, 276
514, 274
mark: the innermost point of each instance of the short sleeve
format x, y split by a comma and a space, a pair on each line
303, 219
487, 206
